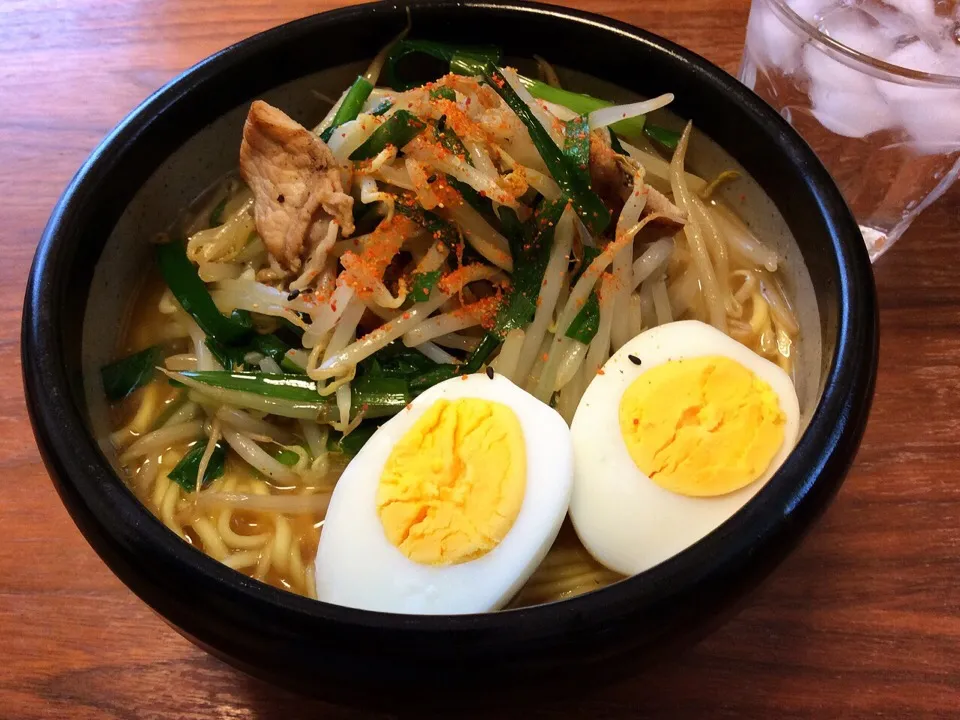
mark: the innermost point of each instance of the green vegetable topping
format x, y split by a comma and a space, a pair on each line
185, 472
286, 457
581, 104
350, 107
576, 145
661, 135
382, 108
568, 175
296, 395
461, 60
584, 326
530, 247
423, 284
351, 444
444, 93
216, 215
191, 292
122, 377
399, 129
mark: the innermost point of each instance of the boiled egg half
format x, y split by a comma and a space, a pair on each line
451, 504
681, 427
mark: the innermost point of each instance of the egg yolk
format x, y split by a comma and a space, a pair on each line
453, 486
703, 426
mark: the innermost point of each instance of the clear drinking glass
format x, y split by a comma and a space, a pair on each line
874, 87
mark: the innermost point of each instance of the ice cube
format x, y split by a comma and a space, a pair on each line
842, 97
849, 113
771, 41
858, 30
918, 56
904, 26
918, 9
810, 10
929, 114
827, 69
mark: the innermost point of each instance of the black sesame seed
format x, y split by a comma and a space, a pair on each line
294, 294
634, 359
280, 198
305, 317
432, 179
489, 372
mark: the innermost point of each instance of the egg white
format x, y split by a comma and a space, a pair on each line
359, 567
624, 519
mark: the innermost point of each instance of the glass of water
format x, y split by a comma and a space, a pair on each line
874, 87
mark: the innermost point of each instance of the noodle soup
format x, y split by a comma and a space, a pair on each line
482, 223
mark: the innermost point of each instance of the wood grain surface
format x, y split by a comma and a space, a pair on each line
862, 621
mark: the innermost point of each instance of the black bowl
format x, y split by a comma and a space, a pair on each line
363, 656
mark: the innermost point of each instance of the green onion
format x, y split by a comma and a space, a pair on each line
615, 144
437, 375
352, 443
444, 93
423, 284
216, 216
298, 389
581, 104
478, 202
288, 365
529, 261
350, 107
295, 395
191, 292
571, 180
269, 345
461, 60
185, 472
434, 377
438, 228
288, 326
379, 395
286, 457
584, 326
230, 358
122, 377
396, 360
661, 135
382, 108
452, 142
576, 145
399, 129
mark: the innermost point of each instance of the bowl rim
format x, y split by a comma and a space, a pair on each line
79, 468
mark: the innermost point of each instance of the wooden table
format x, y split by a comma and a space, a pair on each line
863, 620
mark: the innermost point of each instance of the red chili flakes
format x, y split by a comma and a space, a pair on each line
406, 315
601, 372
544, 357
